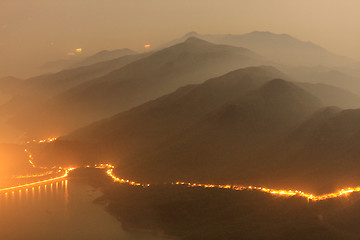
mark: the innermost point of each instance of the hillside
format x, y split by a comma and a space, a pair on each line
332, 96
280, 48
245, 127
197, 131
164, 71
103, 56
231, 137
329, 143
325, 75
22, 96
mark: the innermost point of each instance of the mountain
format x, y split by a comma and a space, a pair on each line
192, 61
231, 137
323, 151
280, 48
102, 56
321, 74
199, 132
81, 61
332, 96
192, 102
246, 127
61, 81
59, 64
30, 93
20, 97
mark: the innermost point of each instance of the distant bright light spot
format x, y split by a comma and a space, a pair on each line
147, 46
75, 52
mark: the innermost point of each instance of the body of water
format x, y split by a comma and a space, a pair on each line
62, 210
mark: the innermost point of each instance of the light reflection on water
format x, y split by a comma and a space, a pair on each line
22, 197
62, 210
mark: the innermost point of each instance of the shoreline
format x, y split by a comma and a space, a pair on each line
104, 202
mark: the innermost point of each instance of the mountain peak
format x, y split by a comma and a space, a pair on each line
191, 34
269, 34
195, 40
280, 84
284, 91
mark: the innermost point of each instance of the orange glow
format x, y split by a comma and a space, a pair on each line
147, 46
284, 193
288, 193
38, 182
277, 192
46, 140
75, 52
35, 175
109, 170
120, 180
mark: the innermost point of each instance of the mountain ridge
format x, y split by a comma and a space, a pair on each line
159, 73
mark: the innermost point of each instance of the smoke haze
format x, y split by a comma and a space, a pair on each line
38, 31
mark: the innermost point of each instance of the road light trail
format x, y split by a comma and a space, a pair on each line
34, 175
275, 192
30, 160
110, 172
66, 173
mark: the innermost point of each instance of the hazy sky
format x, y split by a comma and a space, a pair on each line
33, 32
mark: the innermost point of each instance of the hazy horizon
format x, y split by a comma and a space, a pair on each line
33, 33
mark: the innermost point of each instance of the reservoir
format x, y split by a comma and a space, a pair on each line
62, 210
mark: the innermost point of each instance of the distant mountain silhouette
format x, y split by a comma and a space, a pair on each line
59, 64
226, 140
199, 132
66, 79
246, 127
102, 56
30, 93
81, 61
192, 102
332, 96
322, 152
192, 61
281, 48
327, 75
